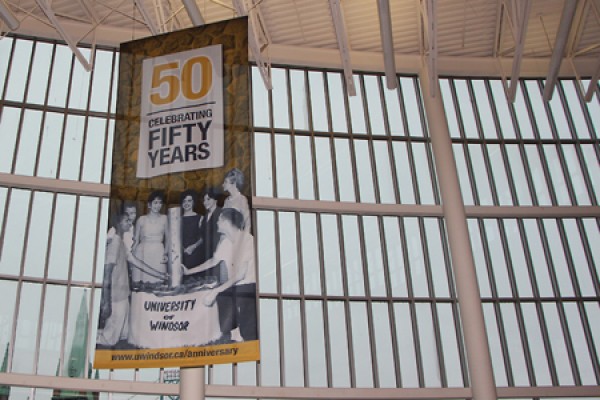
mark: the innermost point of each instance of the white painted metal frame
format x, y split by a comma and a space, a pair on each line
194, 12
337, 16
8, 17
146, 17
387, 43
429, 41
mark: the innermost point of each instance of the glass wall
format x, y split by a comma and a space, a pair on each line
348, 299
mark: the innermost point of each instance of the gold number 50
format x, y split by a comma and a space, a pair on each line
167, 74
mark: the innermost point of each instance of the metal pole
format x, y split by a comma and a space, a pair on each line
191, 384
478, 355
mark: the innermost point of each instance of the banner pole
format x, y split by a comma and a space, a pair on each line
191, 383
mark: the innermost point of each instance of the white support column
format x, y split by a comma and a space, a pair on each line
192, 384
467, 288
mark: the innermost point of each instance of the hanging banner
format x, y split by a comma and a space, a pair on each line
179, 283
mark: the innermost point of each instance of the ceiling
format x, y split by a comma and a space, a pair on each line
481, 37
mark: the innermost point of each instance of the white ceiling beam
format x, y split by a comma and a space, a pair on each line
8, 17
258, 39
146, 17
89, 10
194, 12
520, 10
427, 9
47, 10
560, 43
339, 25
387, 43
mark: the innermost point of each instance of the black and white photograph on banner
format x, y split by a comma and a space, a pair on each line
194, 261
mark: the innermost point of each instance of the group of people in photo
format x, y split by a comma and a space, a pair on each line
217, 255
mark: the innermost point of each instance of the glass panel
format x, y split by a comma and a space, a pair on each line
436, 257
503, 109
420, 151
521, 112
464, 176
338, 340
517, 257
80, 83
280, 105
497, 167
61, 237
263, 178
318, 103
103, 68
451, 116
518, 175
412, 104
6, 45
557, 178
376, 275
559, 116
50, 146
361, 345
357, 111
331, 255
538, 175
76, 328
27, 328
9, 126
304, 168
404, 173
85, 239
395, 257
385, 180
384, 352
72, 147
574, 106
8, 292
394, 111
480, 172
364, 171
299, 100
269, 355
465, 104
337, 103
38, 234
311, 264
428, 346
19, 68
536, 343
575, 173
485, 113
373, 100
557, 344
406, 346
265, 240
28, 143
581, 265
324, 169
14, 237
292, 344
540, 117
344, 164
416, 261
283, 167
450, 352
516, 354
592, 163
558, 256
353, 257
579, 341
94, 150
52, 329
108, 152
497, 257
288, 253
495, 345
479, 257
540, 263
260, 100
40, 70
315, 342
61, 71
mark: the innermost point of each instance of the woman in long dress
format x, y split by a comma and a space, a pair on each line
150, 238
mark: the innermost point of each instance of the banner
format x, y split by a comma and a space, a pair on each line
179, 285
